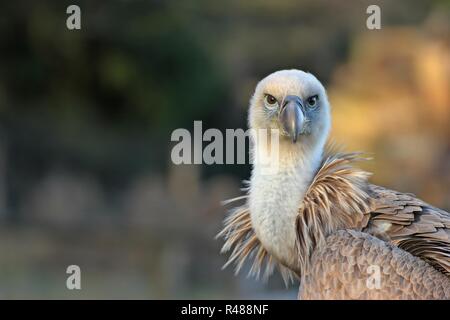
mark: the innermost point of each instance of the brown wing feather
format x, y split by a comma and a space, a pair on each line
342, 269
412, 225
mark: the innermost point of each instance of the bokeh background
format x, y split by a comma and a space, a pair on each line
86, 118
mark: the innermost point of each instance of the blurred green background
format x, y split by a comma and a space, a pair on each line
86, 118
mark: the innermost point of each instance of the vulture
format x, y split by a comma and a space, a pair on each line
318, 219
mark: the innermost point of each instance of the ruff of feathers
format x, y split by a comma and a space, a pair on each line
337, 198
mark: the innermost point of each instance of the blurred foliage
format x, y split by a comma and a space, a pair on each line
396, 104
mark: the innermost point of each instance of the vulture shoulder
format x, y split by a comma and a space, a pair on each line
410, 224
346, 266
340, 197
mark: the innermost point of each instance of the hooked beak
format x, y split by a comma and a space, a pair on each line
291, 117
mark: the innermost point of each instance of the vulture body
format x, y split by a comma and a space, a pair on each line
340, 271
317, 217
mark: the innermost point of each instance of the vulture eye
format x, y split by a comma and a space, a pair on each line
312, 101
271, 101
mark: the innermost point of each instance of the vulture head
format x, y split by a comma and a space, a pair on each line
295, 103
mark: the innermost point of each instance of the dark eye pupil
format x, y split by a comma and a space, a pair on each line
271, 99
312, 101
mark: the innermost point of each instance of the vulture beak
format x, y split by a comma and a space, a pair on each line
291, 116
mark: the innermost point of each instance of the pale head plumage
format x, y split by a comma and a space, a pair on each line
292, 83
